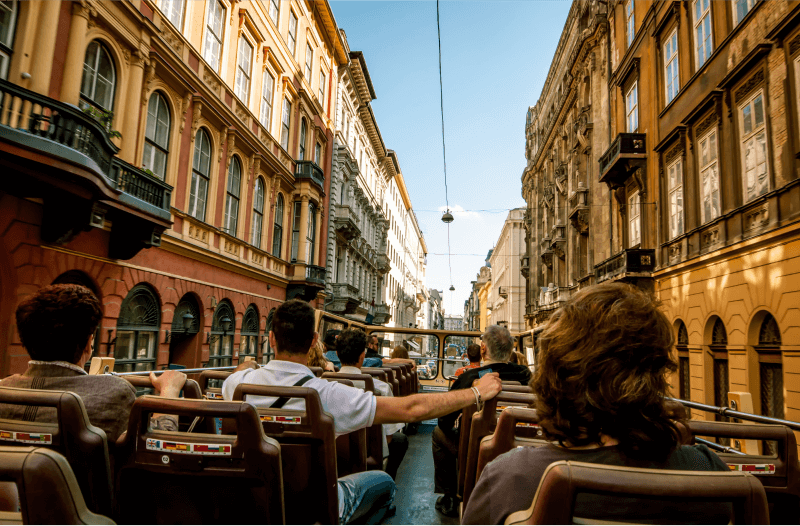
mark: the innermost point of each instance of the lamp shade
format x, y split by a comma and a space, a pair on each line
447, 217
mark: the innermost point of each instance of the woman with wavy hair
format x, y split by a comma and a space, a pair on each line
601, 386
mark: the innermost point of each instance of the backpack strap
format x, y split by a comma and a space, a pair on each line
280, 402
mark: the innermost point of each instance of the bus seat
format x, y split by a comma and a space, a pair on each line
483, 424
191, 389
378, 373
554, 502
208, 387
71, 434
49, 492
463, 440
510, 382
412, 376
374, 433
402, 377
517, 388
782, 482
316, 370
175, 477
392, 379
308, 453
351, 448
516, 427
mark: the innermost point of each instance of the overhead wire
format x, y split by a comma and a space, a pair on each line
444, 147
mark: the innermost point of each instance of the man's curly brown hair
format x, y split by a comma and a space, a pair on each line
604, 360
57, 321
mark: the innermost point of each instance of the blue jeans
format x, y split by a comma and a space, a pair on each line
365, 492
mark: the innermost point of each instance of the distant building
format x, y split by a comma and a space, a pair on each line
507, 292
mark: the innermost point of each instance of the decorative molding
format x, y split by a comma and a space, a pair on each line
756, 218
210, 79
710, 237
149, 75
676, 150
675, 252
232, 248
756, 79
198, 233
185, 108
196, 110
707, 123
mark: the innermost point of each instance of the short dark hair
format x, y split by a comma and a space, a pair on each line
293, 327
350, 345
57, 321
474, 352
330, 339
603, 363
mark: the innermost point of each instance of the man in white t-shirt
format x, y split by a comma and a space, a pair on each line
362, 494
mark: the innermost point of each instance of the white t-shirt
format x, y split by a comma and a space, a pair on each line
351, 408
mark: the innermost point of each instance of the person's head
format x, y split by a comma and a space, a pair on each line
604, 358
496, 344
521, 359
330, 339
352, 347
372, 343
474, 353
400, 352
293, 327
316, 356
57, 323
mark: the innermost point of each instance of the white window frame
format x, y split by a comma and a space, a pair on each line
286, 123
746, 137
675, 197
748, 4
709, 166
209, 33
323, 79
630, 23
233, 193
258, 214
157, 135
632, 108
672, 83
703, 32
197, 206
309, 62
634, 219
174, 11
6, 46
292, 35
274, 11
244, 71
267, 92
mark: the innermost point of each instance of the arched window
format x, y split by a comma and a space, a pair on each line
8, 21
719, 351
277, 228
296, 207
684, 389
311, 235
137, 331
301, 155
156, 136
99, 77
198, 192
258, 212
249, 344
220, 349
770, 374
232, 197
268, 352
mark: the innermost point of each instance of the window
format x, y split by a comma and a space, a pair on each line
671, 77
754, 148
198, 192
223, 326
243, 65
8, 20
232, 197
318, 154
99, 77
704, 43
268, 85
213, 42
771, 374
258, 212
285, 116
721, 383
311, 234
322, 80
709, 177
309, 61
301, 155
173, 10
682, 346
632, 109
249, 343
296, 230
675, 189
137, 331
292, 32
741, 8
274, 11
629, 23
634, 222
277, 228
156, 136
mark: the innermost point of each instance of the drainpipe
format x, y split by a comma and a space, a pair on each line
610, 137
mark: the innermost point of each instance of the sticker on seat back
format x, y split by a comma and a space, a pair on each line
188, 448
278, 419
26, 438
213, 396
755, 469
526, 424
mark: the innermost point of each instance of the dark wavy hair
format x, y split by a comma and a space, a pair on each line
293, 326
57, 321
350, 345
604, 358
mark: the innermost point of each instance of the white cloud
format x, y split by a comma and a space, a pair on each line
458, 211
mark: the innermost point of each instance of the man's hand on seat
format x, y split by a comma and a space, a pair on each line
250, 364
169, 383
489, 385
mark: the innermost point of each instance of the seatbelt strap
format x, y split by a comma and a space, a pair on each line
280, 402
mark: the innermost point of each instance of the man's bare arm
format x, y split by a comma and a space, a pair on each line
418, 407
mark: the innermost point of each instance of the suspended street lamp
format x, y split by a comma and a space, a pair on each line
447, 217
452, 288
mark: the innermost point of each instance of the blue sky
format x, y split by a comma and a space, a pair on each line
495, 59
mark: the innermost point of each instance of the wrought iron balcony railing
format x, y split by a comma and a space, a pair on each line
628, 263
310, 170
315, 274
626, 152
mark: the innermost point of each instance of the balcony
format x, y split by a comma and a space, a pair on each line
530, 310
315, 274
631, 263
306, 283
626, 153
559, 240
382, 314
525, 266
384, 265
309, 170
62, 155
345, 299
346, 223
579, 209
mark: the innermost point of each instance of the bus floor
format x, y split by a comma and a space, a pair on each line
415, 499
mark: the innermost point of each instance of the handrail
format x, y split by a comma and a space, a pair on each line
717, 447
726, 411
185, 371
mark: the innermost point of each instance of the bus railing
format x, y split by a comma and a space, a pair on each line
185, 371
717, 447
728, 412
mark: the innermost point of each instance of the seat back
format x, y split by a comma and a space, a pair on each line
72, 435
464, 427
169, 477
308, 453
510, 382
516, 427
483, 424
191, 389
516, 388
780, 474
316, 370
412, 380
379, 373
351, 448
402, 378
392, 379
554, 502
212, 393
48, 490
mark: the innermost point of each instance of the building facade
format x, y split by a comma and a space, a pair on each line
507, 294
193, 198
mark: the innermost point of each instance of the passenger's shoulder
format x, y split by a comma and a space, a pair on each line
696, 458
110, 384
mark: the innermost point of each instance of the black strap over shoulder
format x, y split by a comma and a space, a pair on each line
280, 402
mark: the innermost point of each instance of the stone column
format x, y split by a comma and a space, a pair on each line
45, 47
318, 239
131, 111
76, 51
302, 242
